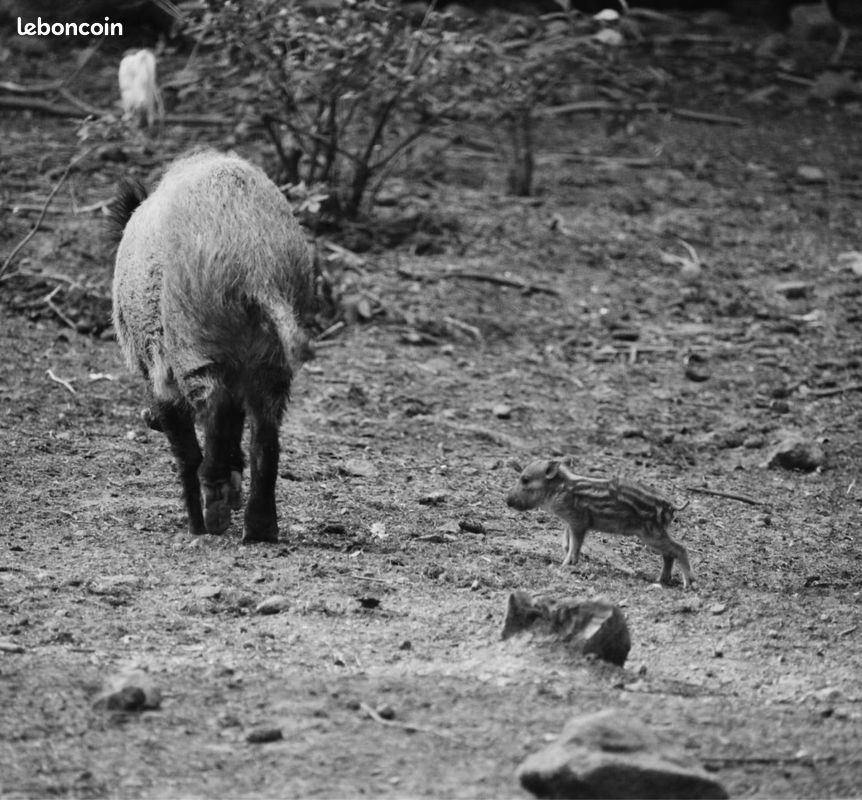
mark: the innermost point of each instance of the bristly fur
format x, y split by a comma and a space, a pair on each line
212, 281
129, 195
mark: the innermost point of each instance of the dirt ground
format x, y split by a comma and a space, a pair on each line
403, 427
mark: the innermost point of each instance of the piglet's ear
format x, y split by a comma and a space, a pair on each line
551, 470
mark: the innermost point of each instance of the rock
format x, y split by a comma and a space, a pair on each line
433, 499
851, 260
795, 452
811, 21
809, 174
612, 754
209, 591
774, 45
502, 411
583, 626
264, 734
793, 290
8, 646
359, 468
115, 584
831, 85
274, 604
133, 690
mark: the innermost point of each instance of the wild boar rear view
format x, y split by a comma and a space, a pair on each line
211, 281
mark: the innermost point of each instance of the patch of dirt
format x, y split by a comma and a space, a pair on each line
627, 365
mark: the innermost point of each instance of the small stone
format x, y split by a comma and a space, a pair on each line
502, 411
8, 646
263, 735
274, 604
828, 694
209, 591
386, 712
852, 260
129, 691
587, 627
115, 584
433, 499
831, 85
793, 290
717, 608
471, 526
795, 452
406, 645
809, 174
359, 468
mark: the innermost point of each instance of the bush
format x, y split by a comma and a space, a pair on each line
355, 84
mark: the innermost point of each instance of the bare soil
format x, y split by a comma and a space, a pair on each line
395, 435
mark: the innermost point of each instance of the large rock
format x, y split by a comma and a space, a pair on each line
796, 452
612, 754
582, 626
132, 690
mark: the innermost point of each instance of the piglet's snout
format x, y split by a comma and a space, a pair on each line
514, 499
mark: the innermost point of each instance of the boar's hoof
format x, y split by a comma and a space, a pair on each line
151, 419
216, 499
260, 531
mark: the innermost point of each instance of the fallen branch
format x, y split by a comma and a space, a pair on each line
64, 383
755, 759
742, 498
43, 106
851, 387
68, 110
472, 330
35, 228
593, 106
515, 283
406, 726
704, 116
52, 86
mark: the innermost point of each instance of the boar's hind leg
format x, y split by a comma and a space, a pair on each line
261, 524
177, 422
221, 471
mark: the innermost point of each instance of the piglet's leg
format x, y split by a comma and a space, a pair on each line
573, 540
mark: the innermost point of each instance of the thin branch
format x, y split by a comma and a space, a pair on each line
703, 116
64, 383
850, 387
498, 280
35, 228
406, 726
742, 498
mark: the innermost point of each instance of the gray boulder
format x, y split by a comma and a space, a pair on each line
594, 627
611, 754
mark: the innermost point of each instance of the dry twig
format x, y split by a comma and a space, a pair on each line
515, 283
742, 498
406, 726
35, 227
850, 387
64, 383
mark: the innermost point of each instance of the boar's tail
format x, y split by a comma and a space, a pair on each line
129, 195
